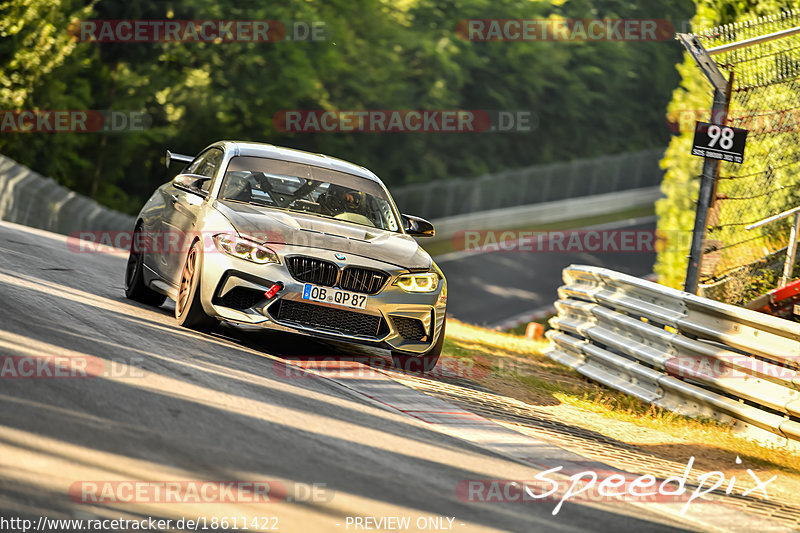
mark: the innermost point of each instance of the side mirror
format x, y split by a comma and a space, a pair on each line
191, 183
177, 157
418, 227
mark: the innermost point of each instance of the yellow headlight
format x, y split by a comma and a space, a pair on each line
418, 282
244, 249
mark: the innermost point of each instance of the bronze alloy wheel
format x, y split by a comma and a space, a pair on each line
187, 279
188, 307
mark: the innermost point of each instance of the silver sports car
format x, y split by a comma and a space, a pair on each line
251, 233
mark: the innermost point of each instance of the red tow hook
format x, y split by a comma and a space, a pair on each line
275, 289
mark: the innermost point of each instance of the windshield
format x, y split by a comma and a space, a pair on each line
308, 189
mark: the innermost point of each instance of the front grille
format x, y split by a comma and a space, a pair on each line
326, 273
362, 280
327, 318
311, 270
240, 298
409, 328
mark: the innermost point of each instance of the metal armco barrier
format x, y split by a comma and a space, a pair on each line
538, 184
30, 199
679, 351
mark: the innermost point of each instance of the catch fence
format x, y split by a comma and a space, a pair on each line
764, 78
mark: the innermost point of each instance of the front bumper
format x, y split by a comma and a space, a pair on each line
233, 289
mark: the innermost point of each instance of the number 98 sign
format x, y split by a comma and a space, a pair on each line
719, 142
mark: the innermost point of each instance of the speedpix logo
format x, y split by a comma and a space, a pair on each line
608, 486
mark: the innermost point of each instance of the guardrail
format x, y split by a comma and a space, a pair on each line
30, 199
679, 351
547, 213
532, 185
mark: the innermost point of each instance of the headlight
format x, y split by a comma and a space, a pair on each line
418, 282
244, 249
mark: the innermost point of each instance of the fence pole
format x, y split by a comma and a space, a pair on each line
791, 252
719, 113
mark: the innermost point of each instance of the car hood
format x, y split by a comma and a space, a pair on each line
296, 229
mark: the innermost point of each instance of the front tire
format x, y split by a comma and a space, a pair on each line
135, 288
188, 309
420, 363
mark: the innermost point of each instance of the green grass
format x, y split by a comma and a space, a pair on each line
522, 328
516, 367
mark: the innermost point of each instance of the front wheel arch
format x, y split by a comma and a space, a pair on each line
420, 363
135, 287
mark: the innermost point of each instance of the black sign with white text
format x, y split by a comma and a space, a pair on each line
719, 142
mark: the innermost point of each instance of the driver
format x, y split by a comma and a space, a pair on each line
237, 187
340, 199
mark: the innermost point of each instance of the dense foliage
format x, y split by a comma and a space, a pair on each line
591, 98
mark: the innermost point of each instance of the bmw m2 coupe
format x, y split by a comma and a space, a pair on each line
256, 234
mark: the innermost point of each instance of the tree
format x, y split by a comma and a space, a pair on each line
588, 98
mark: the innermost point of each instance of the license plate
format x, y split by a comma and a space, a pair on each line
334, 296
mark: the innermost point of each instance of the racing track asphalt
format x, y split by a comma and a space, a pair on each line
183, 405
490, 288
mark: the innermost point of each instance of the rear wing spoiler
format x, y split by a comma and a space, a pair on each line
177, 157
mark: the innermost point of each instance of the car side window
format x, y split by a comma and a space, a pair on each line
192, 167
206, 164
